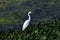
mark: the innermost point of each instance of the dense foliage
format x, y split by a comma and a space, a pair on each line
40, 31
15, 10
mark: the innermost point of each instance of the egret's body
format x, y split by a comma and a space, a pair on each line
26, 23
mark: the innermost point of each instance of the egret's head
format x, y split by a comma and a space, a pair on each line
29, 12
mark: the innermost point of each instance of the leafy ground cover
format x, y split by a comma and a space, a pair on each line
40, 31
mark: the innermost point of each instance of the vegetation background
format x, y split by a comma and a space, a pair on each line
44, 25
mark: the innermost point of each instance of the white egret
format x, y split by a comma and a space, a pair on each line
26, 23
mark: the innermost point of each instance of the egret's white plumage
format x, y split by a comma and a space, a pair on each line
26, 23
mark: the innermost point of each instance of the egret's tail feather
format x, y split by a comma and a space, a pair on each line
23, 29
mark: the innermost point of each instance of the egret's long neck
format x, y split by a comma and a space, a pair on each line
29, 16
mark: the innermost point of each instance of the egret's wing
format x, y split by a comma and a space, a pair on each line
26, 23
